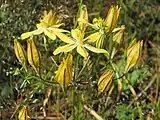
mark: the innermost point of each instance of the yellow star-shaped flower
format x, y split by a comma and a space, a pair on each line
48, 25
77, 41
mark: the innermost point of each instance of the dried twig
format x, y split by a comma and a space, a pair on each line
45, 118
92, 112
146, 88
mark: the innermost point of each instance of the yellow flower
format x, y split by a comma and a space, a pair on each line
103, 26
64, 73
77, 41
99, 35
48, 25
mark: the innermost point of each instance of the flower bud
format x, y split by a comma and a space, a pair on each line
33, 55
20, 52
83, 18
64, 73
112, 18
24, 113
105, 81
134, 52
117, 40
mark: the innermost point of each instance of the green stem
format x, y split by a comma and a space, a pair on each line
118, 80
42, 80
73, 103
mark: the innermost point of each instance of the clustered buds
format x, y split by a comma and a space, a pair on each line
32, 54
103, 28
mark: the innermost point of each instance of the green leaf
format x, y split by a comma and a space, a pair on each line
124, 113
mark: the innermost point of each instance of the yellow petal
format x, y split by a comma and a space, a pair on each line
77, 35
69, 60
65, 48
57, 26
68, 77
41, 25
26, 35
133, 42
93, 37
64, 37
96, 50
50, 34
82, 51
59, 70
54, 29
37, 32
60, 77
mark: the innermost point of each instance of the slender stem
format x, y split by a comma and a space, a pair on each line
83, 68
146, 88
42, 80
117, 77
73, 103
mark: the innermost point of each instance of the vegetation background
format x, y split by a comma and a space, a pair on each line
142, 20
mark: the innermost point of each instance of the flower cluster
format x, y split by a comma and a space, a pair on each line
79, 39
